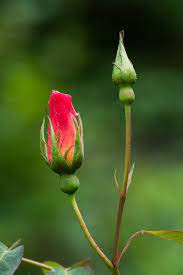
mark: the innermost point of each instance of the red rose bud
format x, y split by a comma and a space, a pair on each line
63, 151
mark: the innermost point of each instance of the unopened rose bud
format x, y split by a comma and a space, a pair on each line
63, 150
123, 74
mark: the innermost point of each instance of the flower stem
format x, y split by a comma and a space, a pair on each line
88, 235
116, 271
35, 263
127, 148
124, 182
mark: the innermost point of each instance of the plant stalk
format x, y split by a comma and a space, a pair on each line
90, 239
116, 271
35, 263
124, 184
125, 246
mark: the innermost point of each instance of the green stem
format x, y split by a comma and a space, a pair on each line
35, 263
124, 184
88, 235
116, 271
127, 148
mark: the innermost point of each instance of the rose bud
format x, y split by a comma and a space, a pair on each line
63, 151
123, 74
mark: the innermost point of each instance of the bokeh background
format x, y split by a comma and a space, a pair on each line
69, 46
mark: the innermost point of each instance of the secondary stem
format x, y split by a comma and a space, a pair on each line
88, 235
35, 263
137, 234
124, 182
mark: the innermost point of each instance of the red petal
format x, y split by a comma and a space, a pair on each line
61, 109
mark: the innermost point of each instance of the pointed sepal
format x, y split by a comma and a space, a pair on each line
81, 133
78, 147
58, 163
43, 144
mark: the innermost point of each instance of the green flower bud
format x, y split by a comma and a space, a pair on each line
69, 183
123, 71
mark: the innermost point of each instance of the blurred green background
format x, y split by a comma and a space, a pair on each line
69, 46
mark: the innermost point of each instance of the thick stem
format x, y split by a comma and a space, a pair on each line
88, 235
35, 263
124, 182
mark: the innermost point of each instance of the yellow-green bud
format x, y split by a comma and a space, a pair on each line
69, 183
123, 71
126, 95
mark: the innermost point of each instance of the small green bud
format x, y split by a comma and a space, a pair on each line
123, 71
69, 183
126, 95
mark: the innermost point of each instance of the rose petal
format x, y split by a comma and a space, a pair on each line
61, 108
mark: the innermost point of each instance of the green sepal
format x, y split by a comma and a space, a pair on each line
58, 164
123, 70
43, 144
78, 148
80, 124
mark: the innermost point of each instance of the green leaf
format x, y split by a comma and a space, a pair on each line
52, 264
83, 263
171, 235
80, 268
10, 259
76, 271
81, 271
57, 271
